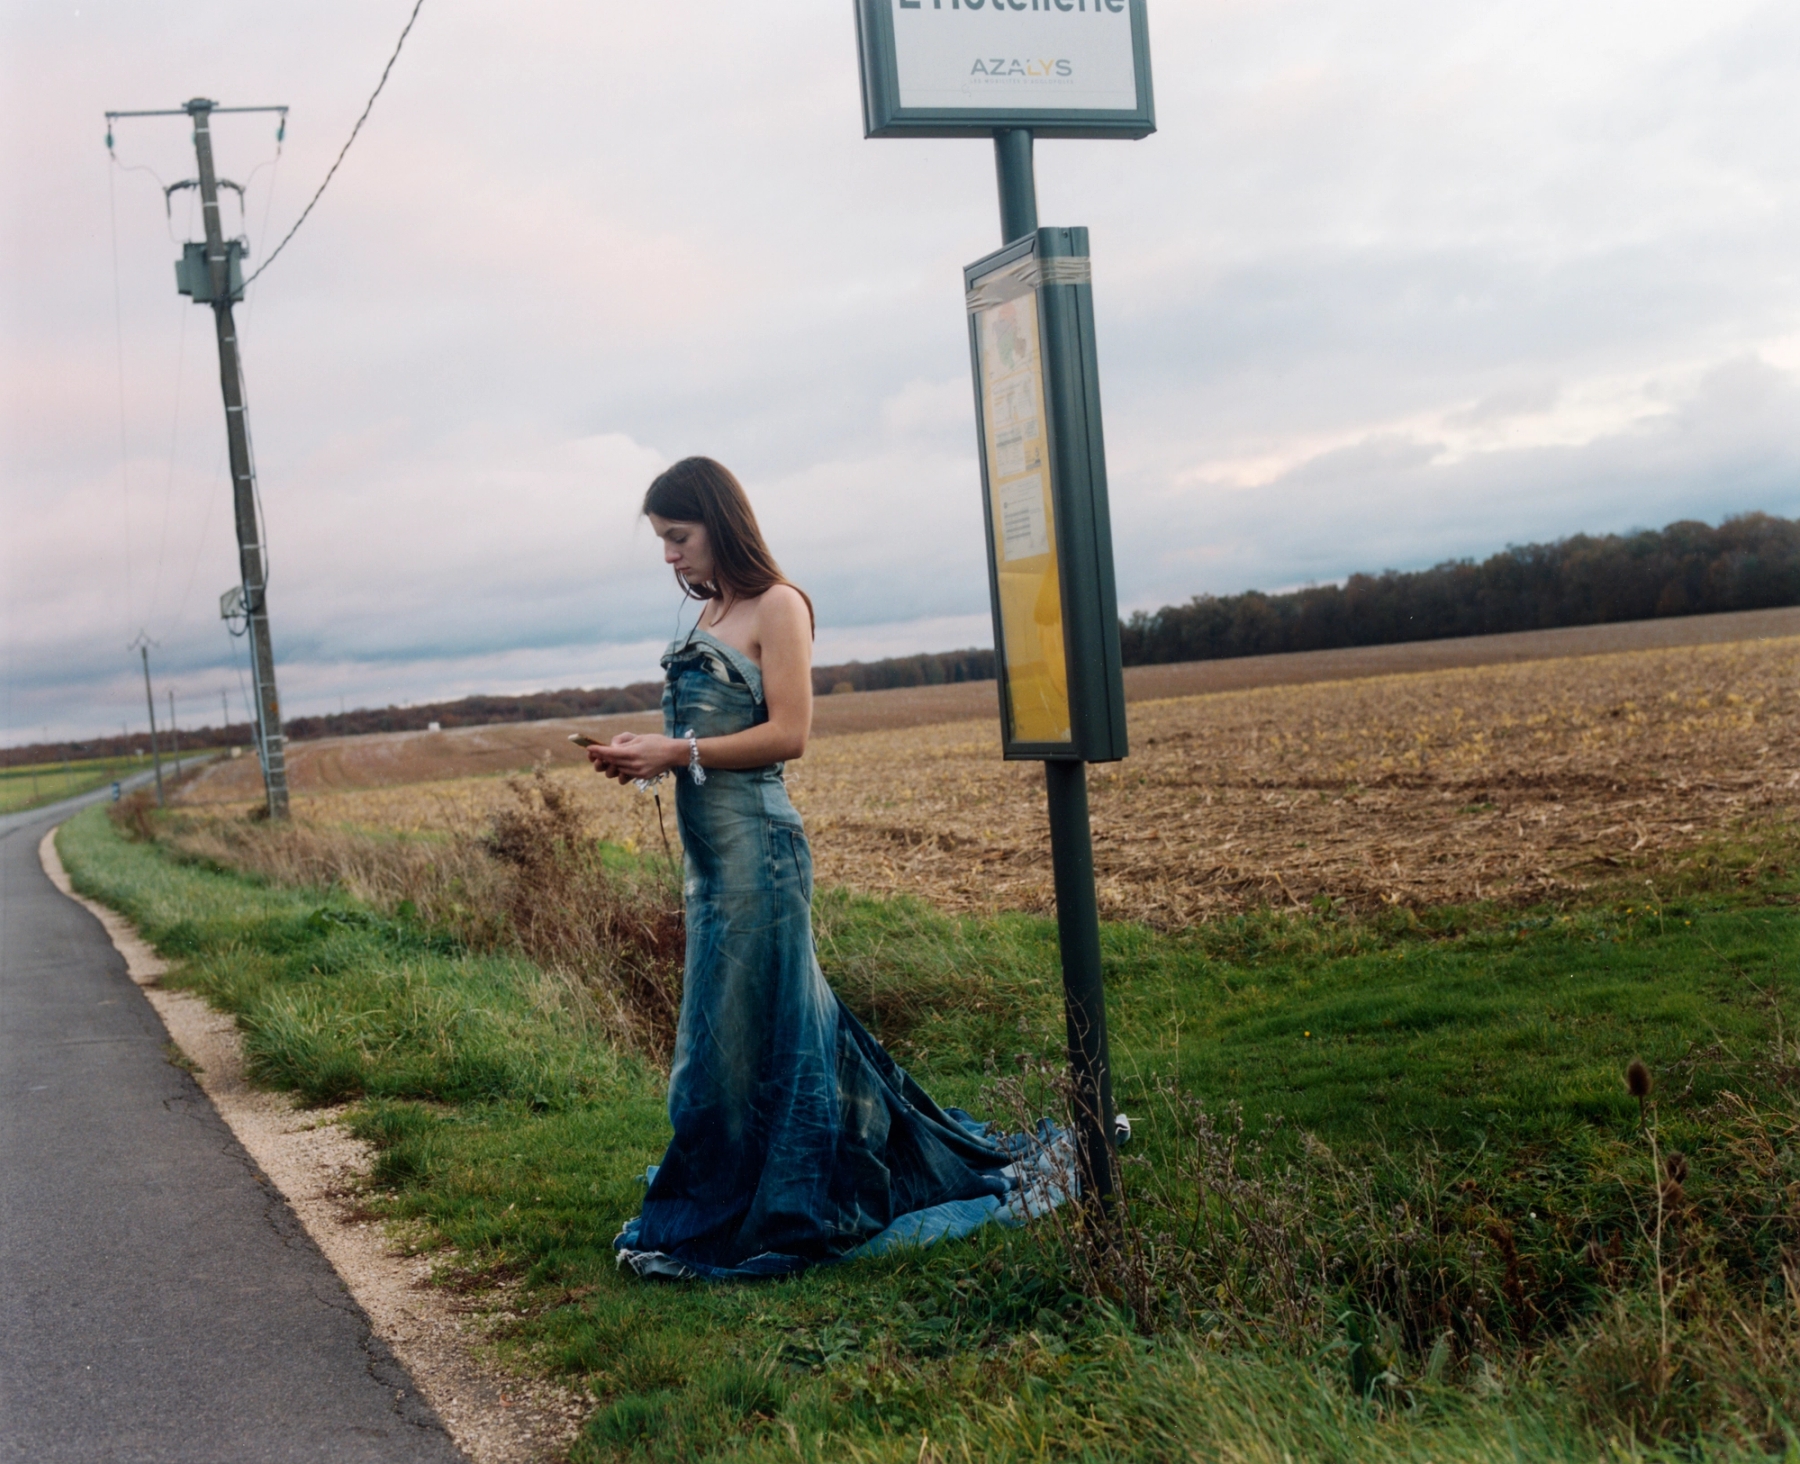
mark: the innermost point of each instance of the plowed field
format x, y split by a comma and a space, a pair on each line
381, 759
1502, 781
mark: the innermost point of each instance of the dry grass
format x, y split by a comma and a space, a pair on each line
522, 874
1505, 782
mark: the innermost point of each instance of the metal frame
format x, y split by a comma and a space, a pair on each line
883, 116
1076, 459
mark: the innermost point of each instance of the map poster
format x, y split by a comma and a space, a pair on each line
1024, 527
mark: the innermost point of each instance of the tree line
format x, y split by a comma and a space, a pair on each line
1751, 562
483, 711
932, 669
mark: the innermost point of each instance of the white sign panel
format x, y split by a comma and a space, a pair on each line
1073, 55
1024, 521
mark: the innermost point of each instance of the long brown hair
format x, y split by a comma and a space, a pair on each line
698, 490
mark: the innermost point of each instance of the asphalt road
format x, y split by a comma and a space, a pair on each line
158, 1299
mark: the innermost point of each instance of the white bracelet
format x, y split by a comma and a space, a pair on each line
695, 771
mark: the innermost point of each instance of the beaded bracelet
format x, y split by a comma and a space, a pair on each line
695, 771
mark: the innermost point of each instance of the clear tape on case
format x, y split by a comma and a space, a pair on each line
1027, 275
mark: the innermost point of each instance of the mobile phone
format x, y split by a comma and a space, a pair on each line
581, 739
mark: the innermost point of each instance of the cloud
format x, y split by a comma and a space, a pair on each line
1391, 283
1389, 501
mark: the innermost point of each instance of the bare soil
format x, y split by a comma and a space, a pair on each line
1514, 782
386, 759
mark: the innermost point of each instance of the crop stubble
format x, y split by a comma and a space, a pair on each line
1510, 782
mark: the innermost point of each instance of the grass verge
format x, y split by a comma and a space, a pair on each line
34, 785
1392, 1197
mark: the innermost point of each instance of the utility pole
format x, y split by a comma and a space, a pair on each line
252, 563
174, 735
150, 702
211, 273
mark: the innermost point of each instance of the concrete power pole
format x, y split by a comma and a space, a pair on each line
150, 703
212, 274
224, 290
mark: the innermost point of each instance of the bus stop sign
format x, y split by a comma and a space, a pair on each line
956, 68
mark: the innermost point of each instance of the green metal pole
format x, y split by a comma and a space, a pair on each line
1084, 989
1071, 840
1018, 183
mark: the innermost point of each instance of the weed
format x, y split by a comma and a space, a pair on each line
616, 925
176, 1058
131, 815
531, 882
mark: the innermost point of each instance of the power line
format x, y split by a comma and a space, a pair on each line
112, 209
162, 541
268, 210
218, 476
417, 7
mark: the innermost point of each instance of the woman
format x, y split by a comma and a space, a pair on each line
797, 1138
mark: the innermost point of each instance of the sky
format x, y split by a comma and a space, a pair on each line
1393, 282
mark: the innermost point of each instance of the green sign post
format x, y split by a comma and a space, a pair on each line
1013, 70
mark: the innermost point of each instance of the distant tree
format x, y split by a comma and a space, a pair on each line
939, 668
1751, 562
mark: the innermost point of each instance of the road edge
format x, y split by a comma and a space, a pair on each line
316, 1164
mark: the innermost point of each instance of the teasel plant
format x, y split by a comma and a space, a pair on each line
1666, 1179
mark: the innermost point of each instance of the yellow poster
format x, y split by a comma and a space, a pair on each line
1024, 520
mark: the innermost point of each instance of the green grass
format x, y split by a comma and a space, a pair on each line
33, 786
1481, 1048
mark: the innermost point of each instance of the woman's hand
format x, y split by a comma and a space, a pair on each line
639, 755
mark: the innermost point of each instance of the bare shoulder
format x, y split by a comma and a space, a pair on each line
783, 623
782, 607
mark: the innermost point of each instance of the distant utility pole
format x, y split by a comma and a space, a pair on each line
212, 274
150, 702
174, 735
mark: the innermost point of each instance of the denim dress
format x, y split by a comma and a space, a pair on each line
797, 1138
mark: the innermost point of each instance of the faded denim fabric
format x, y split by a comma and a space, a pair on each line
797, 1138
